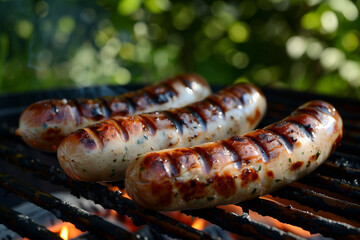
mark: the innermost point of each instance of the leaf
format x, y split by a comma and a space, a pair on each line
157, 6
127, 7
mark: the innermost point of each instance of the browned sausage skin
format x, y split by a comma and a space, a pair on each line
238, 168
101, 152
43, 125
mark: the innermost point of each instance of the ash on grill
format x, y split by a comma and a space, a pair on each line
325, 203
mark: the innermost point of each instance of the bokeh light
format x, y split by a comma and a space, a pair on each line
310, 45
24, 28
296, 46
329, 21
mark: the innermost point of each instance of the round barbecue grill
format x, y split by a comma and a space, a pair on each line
325, 203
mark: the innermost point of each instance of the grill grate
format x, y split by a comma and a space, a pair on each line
24, 226
63, 210
325, 202
317, 200
101, 195
304, 219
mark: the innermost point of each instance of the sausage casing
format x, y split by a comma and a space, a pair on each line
101, 152
238, 168
44, 124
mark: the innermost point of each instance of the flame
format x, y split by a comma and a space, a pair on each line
232, 209
194, 222
114, 188
125, 221
66, 230
276, 223
282, 226
199, 224
125, 195
69, 231
64, 233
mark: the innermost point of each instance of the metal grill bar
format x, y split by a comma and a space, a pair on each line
304, 219
333, 184
333, 169
24, 226
346, 160
318, 201
349, 147
242, 225
65, 211
352, 131
100, 194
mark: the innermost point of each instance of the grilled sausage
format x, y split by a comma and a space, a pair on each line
238, 168
43, 125
101, 152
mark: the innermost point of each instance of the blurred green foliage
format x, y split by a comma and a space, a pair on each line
309, 45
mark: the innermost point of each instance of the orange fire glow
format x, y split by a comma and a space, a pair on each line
64, 233
194, 222
111, 187
275, 223
116, 188
66, 230
282, 226
125, 195
199, 224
